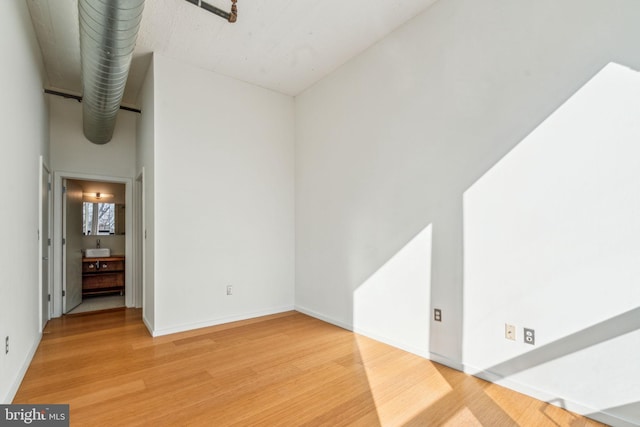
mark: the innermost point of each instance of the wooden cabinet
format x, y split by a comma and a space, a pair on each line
103, 275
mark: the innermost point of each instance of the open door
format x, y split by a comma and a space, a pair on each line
71, 245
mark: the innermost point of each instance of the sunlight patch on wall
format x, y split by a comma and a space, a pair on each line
552, 243
393, 304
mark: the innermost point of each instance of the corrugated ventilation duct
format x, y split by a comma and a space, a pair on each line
108, 32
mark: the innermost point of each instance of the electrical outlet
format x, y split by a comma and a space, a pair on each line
509, 332
229, 290
437, 315
529, 336
6, 345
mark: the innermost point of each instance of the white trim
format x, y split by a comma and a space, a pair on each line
389, 341
58, 176
576, 407
44, 166
550, 398
140, 238
15, 385
148, 325
219, 321
393, 343
324, 318
611, 419
443, 360
414, 350
63, 250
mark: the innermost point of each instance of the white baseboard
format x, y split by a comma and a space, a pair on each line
550, 398
218, 321
414, 350
15, 385
393, 343
148, 325
578, 408
443, 360
324, 318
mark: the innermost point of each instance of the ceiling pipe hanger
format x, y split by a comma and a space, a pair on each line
229, 16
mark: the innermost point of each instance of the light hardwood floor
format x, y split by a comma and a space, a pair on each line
287, 369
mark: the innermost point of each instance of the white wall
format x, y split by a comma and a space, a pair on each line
23, 123
72, 152
566, 245
145, 166
223, 198
72, 155
388, 144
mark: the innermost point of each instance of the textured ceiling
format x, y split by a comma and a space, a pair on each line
283, 45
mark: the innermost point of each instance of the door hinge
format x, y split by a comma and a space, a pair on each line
64, 241
49, 297
49, 241
64, 293
64, 190
49, 186
38, 234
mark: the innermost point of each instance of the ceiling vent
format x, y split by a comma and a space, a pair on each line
108, 32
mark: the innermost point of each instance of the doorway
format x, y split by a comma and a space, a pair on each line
93, 215
94, 245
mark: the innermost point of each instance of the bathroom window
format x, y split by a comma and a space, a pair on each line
98, 219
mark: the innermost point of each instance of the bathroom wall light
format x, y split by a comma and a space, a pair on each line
97, 196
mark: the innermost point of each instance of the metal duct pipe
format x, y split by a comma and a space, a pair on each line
108, 32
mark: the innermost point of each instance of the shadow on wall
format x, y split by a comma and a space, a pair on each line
628, 411
393, 304
552, 243
597, 334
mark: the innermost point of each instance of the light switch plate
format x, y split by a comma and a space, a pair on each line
509, 332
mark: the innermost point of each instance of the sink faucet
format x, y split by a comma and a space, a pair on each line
97, 243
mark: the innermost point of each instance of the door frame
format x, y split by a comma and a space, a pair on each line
131, 288
45, 294
139, 237
72, 295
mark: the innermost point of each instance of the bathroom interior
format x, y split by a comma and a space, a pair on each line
100, 271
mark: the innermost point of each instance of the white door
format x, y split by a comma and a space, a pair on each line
45, 242
72, 245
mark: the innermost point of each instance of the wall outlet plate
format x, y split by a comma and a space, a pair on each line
529, 336
437, 315
229, 290
509, 332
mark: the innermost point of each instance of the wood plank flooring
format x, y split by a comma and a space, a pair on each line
282, 370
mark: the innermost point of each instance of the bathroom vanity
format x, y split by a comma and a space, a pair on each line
102, 275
